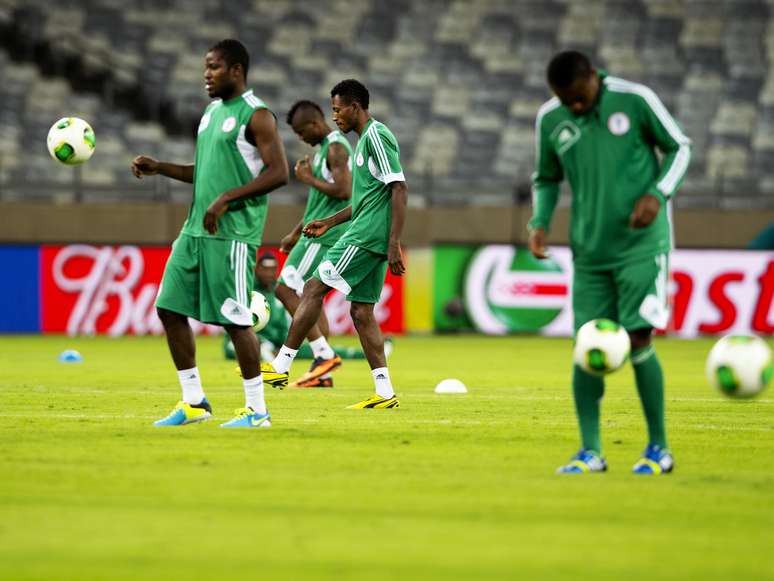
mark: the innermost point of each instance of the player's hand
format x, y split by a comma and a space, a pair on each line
395, 258
143, 165
537, 243
645, 211
215, 211
316, 228
288, 242
303, 170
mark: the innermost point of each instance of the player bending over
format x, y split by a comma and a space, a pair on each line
602, 133
209, 275
357, 263
330, 186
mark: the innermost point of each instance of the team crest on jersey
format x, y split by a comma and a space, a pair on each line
360, 161
228, 124
618, 123
204, 122
565, 135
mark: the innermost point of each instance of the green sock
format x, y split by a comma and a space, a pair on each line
588, 391
650, 385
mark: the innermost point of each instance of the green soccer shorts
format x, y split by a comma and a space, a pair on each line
635, 295
301, 263
209, 280
356, 272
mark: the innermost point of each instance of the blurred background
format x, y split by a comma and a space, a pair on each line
458, 82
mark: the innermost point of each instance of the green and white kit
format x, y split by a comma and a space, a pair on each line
357, 263
608, 156
307, 254
208, 277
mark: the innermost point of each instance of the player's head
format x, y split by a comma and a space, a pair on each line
225, 68
573, 79
348, 100
308, 122
266, 270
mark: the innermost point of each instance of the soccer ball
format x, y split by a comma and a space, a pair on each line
601, 346
739, 365
71, 141
260, 310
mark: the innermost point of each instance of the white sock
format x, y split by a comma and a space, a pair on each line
284, 359
191, 384
320, 348
382, 382
254, 394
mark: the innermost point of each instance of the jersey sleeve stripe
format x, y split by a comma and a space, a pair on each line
381, 155
669, 182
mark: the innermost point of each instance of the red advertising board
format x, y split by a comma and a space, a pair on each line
111, 290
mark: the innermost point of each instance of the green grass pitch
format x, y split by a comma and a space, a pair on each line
447, 487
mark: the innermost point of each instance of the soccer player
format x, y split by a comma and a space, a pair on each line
357, 263
330, 185
602, 133
209, 275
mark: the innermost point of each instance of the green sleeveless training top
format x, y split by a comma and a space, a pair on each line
318, 205
226, 160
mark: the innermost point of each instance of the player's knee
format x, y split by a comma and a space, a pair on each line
168, 317
315, 289
640, 338
361, 313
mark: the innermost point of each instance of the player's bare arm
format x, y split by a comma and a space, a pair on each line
645, 211
537, 243
317, 228
263, 132
394, 251
337, 159
291, 238
142, 165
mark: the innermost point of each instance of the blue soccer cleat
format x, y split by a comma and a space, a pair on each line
584, 462
654, 460
247, 418
186, 413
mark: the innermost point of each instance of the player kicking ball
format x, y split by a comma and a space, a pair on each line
209, 275
329, 179
357, 263
602, 133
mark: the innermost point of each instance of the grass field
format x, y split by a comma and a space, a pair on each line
452, 487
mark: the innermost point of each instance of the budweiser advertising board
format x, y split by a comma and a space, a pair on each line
501, 289
111, 290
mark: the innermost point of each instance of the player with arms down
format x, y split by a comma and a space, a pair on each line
329, 178
602, 133
209, 275
357, 263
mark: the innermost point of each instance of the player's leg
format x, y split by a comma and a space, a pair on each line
178, 299
643, 306
305, 317
593, 297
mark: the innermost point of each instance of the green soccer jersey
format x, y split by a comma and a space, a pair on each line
377, 165
319, 205
608, 155
226, 160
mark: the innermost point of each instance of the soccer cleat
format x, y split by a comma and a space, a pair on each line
584, 462
186, 413
316, 382
270, 377
247, 418
654, 460
319, 368
376, 402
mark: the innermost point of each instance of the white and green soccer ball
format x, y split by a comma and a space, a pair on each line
601, 346
260, 309
71, 141
740, 365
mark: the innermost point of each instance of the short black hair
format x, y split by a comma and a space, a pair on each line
233, 52
303, 104
267, 257
566, 67
352, 90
